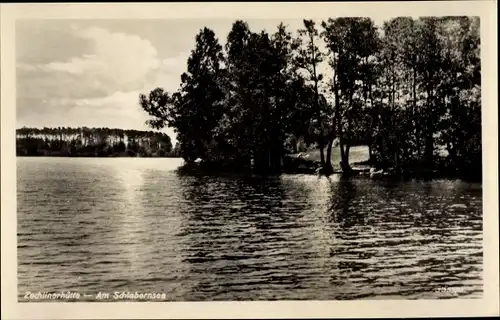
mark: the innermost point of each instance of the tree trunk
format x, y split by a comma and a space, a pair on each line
318, 111
344, 145
322, 154
344, 159
429, 139
416, 115
336, 127
340, 133
328, 161
344, 156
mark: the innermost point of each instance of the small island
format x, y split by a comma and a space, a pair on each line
277, 102
408, 90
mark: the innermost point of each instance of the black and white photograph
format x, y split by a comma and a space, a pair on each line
228, 159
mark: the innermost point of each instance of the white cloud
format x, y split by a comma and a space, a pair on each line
100, 89
123, 57
168, 75
119, 62
118, 98
120, 109
177, 63
76, 65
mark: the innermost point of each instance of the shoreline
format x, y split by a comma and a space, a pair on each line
294, 167
357, 172
93, 156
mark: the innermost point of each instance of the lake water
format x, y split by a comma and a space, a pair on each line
92, 225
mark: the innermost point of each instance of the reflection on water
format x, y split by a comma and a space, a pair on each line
109, 225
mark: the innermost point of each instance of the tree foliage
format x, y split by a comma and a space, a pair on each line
409, 89
92, 142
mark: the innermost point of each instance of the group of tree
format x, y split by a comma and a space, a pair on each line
92, 142
409, 89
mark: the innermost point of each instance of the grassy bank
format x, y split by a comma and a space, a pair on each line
356, 154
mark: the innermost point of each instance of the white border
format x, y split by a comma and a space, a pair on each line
11, 309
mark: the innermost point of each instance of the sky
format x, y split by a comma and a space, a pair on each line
90, 73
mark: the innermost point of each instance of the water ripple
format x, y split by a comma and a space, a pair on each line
109, 225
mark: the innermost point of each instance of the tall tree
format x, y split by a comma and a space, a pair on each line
430, 68
408, 93
460, 127
194, 111
309, 58
283, 74
350, 42
236, 125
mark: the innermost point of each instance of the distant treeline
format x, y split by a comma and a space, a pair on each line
92, 142
409, 89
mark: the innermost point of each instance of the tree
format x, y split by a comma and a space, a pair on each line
409, 93
308, 58
64, 141
430, 68
422, 80
460, 127
282, 52
196, 109
350, 43
236, 126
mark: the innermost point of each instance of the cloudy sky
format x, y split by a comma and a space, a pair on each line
91, 72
